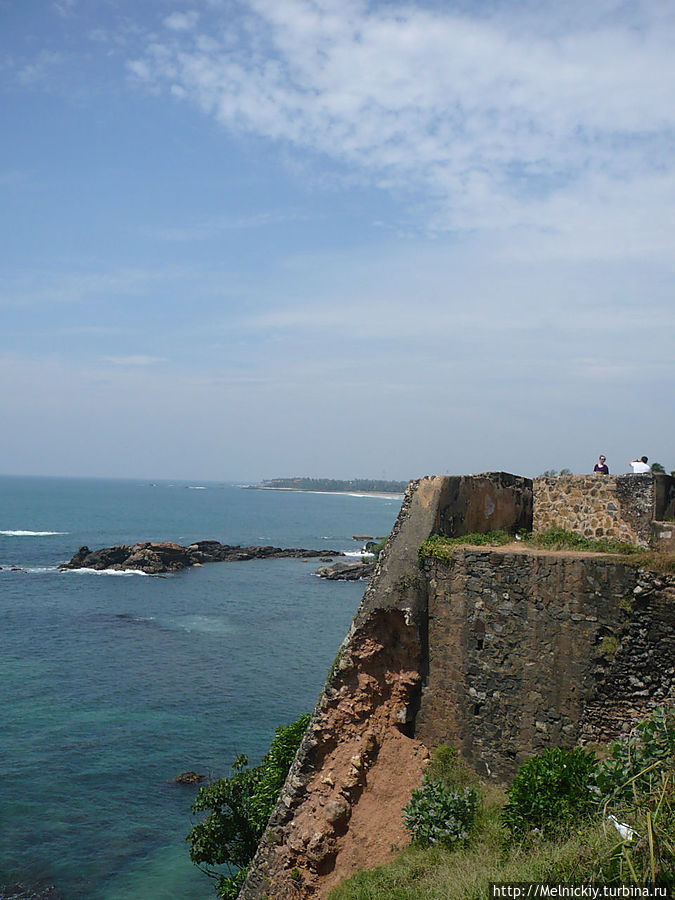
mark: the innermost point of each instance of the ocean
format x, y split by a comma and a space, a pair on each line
113, 684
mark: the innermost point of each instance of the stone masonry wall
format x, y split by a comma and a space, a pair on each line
359, 760
618, 507
529, 650
500, 652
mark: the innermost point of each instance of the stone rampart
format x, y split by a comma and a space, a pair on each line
529, 650
501, 652
617, 507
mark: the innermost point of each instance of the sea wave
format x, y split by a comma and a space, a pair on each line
360, 553
202, 624
374, 496
125, 572
19, 533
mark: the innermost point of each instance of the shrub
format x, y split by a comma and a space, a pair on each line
549, 791
447, 766
437, 814
238, 808
634, 764
635, 786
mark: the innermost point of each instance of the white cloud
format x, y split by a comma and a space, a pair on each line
182, 21
137, 360
502, 120
38, 70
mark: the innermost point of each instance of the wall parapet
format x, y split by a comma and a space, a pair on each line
616, 507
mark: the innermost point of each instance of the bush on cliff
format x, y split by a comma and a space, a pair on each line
549, 792
437, 814
443, 810
238, 808
635, 787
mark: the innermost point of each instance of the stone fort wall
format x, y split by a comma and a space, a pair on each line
617, 507
501, 652
528, 650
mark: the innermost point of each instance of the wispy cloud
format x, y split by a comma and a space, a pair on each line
207, 228
134, 360
44, 286
39, 69
502, 121
182, 21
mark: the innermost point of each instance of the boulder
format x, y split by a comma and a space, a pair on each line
189, 778
341, 571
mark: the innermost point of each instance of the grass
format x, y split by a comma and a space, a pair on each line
466, 873
556, 539
588, 853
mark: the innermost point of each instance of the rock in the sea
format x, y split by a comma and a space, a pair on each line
189, 778
157, 557
346, 571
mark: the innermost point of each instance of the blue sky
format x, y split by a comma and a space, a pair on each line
337, 238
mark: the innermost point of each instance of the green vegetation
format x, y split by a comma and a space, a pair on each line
238, 808
577, 839
335, 484
549, 793
376, 547
609, 644
561, 539
440, 547
437, 814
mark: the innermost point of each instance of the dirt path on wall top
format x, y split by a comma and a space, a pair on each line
524, 549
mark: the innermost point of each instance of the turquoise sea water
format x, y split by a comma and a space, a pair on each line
111, 685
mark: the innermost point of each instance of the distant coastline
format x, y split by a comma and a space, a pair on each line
354, 487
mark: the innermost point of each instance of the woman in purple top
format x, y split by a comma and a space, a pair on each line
601, 466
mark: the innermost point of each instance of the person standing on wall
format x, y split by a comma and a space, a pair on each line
640, 466
601, 467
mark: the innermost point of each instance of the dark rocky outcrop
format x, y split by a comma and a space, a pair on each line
343, 571
189, 778
155, 558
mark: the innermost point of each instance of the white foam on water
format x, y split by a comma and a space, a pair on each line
124, 572
196, 488
202, 624
360, 553
374, 496
31, 533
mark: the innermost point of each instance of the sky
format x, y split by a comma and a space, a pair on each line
243, 239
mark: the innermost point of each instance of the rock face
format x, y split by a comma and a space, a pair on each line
155, 558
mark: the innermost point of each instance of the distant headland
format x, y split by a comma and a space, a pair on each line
332, 485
